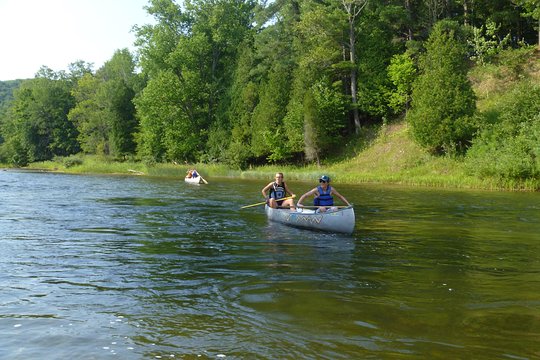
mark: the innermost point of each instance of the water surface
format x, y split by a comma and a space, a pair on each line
94, 267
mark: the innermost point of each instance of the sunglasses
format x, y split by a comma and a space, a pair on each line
322, 181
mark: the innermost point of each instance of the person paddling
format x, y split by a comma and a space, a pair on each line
323, 195
278, 190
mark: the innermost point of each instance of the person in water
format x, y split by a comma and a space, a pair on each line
323, 195
278, 190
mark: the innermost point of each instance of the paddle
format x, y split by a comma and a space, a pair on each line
264, 202
203, 180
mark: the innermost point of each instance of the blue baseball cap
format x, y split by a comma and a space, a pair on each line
324, 178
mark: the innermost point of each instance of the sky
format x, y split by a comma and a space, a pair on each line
56, 33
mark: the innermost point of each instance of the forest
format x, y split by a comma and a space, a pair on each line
247, 82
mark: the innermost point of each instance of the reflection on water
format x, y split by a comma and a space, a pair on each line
143, 268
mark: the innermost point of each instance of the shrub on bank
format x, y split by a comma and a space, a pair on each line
508, 146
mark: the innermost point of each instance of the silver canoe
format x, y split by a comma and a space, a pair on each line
341, 220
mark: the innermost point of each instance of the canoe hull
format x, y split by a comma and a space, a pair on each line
195, 180
341, 221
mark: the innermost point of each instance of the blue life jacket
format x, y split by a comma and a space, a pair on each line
278, 191
324, 198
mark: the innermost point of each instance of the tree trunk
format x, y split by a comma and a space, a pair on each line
465, 13
409, 15
354, 85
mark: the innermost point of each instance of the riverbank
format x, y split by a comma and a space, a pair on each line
389, 158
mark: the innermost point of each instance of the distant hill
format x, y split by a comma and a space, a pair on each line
7, 88
6, 92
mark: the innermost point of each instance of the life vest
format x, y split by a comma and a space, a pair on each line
324, 198
278, 191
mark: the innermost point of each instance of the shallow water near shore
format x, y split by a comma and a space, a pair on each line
138, 267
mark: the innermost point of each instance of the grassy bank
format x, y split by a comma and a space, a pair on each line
391, 157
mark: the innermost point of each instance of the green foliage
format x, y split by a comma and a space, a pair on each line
166, 132
191, 52
36, 127
319, 39
330, 105
531, 9
244, 94
311, 130
6, 93
443, 101
515, 62
324, 120
104, 113
267, 125
510, 147
88, 117
70, 161
217, 145
401, 72
485, 43
375, 51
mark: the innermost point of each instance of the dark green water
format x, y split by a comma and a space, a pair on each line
96, 267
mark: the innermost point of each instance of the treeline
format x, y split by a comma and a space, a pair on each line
245, 82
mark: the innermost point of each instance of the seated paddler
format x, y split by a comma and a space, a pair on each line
278, 194
323, 195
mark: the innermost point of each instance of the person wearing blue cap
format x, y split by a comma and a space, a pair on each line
323, 195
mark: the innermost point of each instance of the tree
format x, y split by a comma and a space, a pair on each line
37, 127
118, 86
353, 8
324, 119
167, 133
508, 147
198, 44
87, 116
104, 113
532, 9
402, 73
443, 100
244, 95
267, 129
485, 43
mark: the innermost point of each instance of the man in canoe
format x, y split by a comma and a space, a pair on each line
278, 190
323, 195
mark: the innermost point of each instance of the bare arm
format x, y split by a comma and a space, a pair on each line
265, 189
335, 192
311, 192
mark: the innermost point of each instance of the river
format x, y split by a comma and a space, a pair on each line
100, 267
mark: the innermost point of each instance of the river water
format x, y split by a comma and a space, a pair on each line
100, 267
